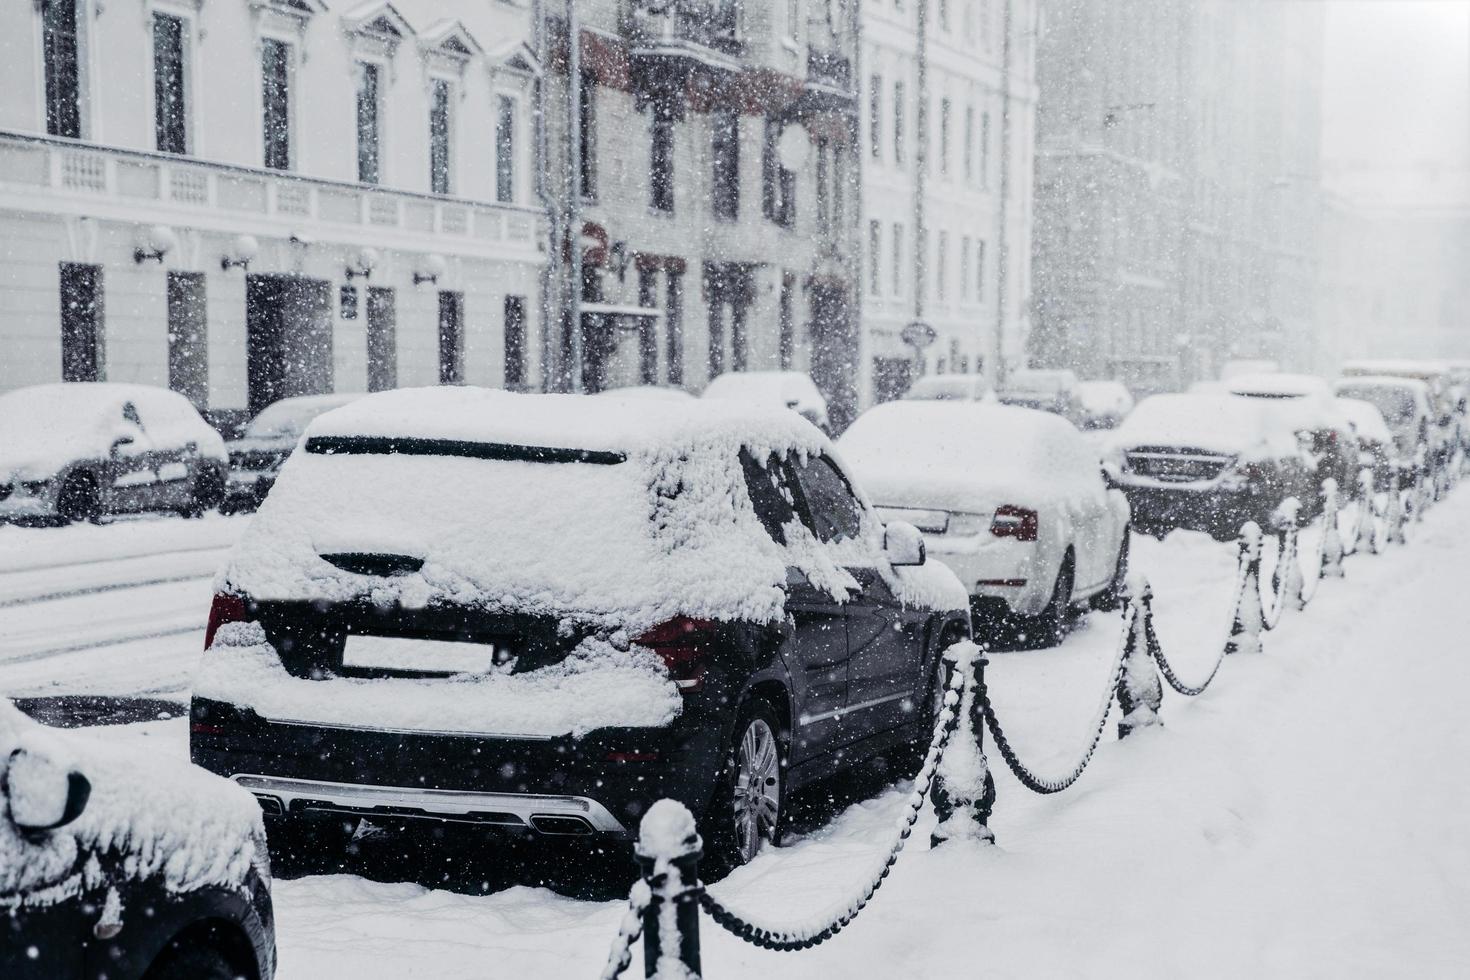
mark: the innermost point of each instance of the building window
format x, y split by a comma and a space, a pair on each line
941, 261
898, 123
875, 258
81, 323
944, 119
875, 117
188, 336
964, 267
824, 191
839, 184
778, 185
786, 321
169, 105
969, 151
661, 163
674, 325
515, 343
725, 156
587, 114
61, 51
897, 258
382, 339
979, 271
984, 149
275, 100
440, 150
647, 326
505, 149
369, 128
944, 15
451, 338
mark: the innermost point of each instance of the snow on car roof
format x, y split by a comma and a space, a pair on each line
1277, 384
1218, 423
773, 387
619, 512
1041, 379
959, 454
1382, 380
1366, 419
165, 819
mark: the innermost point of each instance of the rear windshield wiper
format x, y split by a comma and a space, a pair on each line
413, 446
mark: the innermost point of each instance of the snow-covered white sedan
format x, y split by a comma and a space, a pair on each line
1012, 499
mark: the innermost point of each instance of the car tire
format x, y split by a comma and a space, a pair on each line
738, 823
1047, 628
191, 960
301, 845
207, 493
1109, 599
79, 499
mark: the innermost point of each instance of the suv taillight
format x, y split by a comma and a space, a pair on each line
1014, 522
684, 644
226, 608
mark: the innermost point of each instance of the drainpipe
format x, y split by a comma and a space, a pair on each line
549, 272
995, 370
921, 163
574, 195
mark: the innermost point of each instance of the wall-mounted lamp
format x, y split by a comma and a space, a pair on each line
155, 242
429, 269
362, 263
241, 253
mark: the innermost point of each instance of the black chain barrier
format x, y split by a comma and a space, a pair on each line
663, 908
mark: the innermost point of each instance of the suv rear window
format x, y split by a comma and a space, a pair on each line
769, 494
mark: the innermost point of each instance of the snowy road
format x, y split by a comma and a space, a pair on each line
1301, 819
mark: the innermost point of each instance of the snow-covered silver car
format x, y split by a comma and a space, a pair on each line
79, 450
257, 455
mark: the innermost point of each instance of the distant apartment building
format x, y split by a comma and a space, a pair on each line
1178, 186
249, 199
948, 130
702, 176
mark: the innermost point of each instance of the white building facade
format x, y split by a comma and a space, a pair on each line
250, 199
947, 199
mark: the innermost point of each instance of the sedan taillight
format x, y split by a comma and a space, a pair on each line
684, 644
226, 608
1014, 522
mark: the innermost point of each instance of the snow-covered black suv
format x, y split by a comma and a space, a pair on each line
123, 867
544, 612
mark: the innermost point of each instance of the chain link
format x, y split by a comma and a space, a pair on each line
783, 940
629, 930
1029, 779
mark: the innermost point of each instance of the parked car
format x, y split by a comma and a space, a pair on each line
1325, 432
1376, 450
80, 450
1207, 463
788, 389
1012, 499
268, 439
541, 613
121, 867
1403, 403
1052, 391
1445, 421
1105, 404
948, 387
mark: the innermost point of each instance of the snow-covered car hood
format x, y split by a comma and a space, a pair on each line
1224, 424
148, 817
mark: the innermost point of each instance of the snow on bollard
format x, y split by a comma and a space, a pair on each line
668, 852
1365, 538
1420, 498
964, 792
1140, 694
1331, 538
1249, 618
1394, 517
1286, 580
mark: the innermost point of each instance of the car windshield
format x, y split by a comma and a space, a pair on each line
1396, 404
290, 417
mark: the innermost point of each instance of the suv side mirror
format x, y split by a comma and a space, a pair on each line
904, 545
43, 796
119, 443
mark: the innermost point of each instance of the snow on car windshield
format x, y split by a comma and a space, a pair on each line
1396, 402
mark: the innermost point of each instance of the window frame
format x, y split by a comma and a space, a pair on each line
188, 46
451, 116
382, 70
509, 158
804, 499
291, 61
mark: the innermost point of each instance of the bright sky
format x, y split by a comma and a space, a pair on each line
1397, 85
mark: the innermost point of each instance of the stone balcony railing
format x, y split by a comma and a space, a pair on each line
49, 172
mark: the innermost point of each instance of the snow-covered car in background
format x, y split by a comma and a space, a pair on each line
1445, 415
1325, 432
666, 393
1105, 404
948, 388
1050, 390
1375, 440
80, 450
1404, 404
541, 613
1012, 499
1207, 463
120, 866
268, 439
787, 389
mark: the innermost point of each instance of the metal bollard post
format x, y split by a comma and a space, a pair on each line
668, 852
1286, 578
964, 791
1140, 694
1421, 463
1249, 620
1394, 517
1331, 536
1365, 537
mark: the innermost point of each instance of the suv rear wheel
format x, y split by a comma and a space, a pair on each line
747, 809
